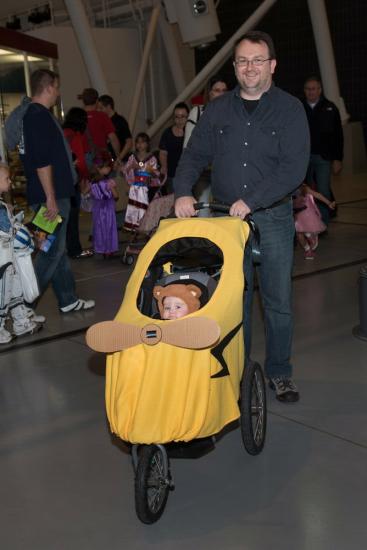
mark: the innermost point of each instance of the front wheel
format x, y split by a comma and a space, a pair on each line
152, 483
253, 408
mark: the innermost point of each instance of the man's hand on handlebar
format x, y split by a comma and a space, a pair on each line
184, 207
239, 209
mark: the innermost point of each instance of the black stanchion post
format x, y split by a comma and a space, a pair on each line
360, 331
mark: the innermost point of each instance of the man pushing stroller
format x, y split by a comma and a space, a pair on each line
256, 138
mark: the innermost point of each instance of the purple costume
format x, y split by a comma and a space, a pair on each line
105, 238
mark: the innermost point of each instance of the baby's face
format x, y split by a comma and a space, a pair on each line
174, 308
5, 182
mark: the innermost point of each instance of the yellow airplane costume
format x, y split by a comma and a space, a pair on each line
156, 390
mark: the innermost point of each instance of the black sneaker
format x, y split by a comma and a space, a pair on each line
285, 389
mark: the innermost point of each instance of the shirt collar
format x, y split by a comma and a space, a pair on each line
268, 92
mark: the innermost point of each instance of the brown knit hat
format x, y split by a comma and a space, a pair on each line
190, 294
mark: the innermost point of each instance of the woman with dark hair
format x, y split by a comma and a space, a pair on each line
74, 127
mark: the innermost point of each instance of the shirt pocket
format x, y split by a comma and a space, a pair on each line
222, 139
270, 139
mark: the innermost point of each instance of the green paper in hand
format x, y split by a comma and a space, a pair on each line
43, 223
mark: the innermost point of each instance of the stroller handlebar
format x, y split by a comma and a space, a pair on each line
214, 206
224, 208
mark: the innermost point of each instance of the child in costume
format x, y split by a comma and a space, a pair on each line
308, 220
104, 194
13, 237
142, 174
177, 300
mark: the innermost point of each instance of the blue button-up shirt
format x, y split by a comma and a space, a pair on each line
259, 157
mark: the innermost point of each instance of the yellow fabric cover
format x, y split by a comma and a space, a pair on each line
162, 393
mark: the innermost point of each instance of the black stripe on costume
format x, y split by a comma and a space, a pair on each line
217, 352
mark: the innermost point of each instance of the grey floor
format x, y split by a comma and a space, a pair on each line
66, 485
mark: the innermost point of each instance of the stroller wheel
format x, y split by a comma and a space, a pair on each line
253, 408
129, 260
152, 483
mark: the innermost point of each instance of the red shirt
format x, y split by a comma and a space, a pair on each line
77, 144
99, 126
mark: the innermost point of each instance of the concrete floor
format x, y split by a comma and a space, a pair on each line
66, 484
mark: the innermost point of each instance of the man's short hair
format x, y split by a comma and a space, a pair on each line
42, 78
257, 37
181, 105
313, 79
107, 101
89, 96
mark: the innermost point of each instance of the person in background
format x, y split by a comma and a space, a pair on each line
142, 175
327, 142
308, 220
216, 87
51, 178
256, 139
74, 126
100, 130
12, 306
171, 144
104, 194
107, 105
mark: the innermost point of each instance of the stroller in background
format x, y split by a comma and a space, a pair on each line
181, 381
159, 207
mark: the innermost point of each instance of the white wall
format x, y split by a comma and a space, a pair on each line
120, 56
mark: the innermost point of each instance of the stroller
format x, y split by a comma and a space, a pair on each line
159, 207
182, 380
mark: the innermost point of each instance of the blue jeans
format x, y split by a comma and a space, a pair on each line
319, 172
54, 265
276, 226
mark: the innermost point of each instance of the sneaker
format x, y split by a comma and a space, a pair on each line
26, 326
79, 305
285, 389
309, 255
313, 241
5, 336
86, 253
41, 319
31, 314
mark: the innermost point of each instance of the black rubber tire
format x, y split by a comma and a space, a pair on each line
129, 260
253, 409
151, 489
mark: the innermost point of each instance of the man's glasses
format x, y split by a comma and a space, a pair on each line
257, 62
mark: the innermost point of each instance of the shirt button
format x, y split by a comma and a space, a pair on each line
244, 164
245, 186
249, 124
246, 143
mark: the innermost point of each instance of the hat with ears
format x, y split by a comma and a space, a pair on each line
189, 294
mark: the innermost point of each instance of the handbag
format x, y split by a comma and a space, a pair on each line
28, 279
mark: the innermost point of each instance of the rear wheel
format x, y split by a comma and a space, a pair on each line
152, 483
253, 408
